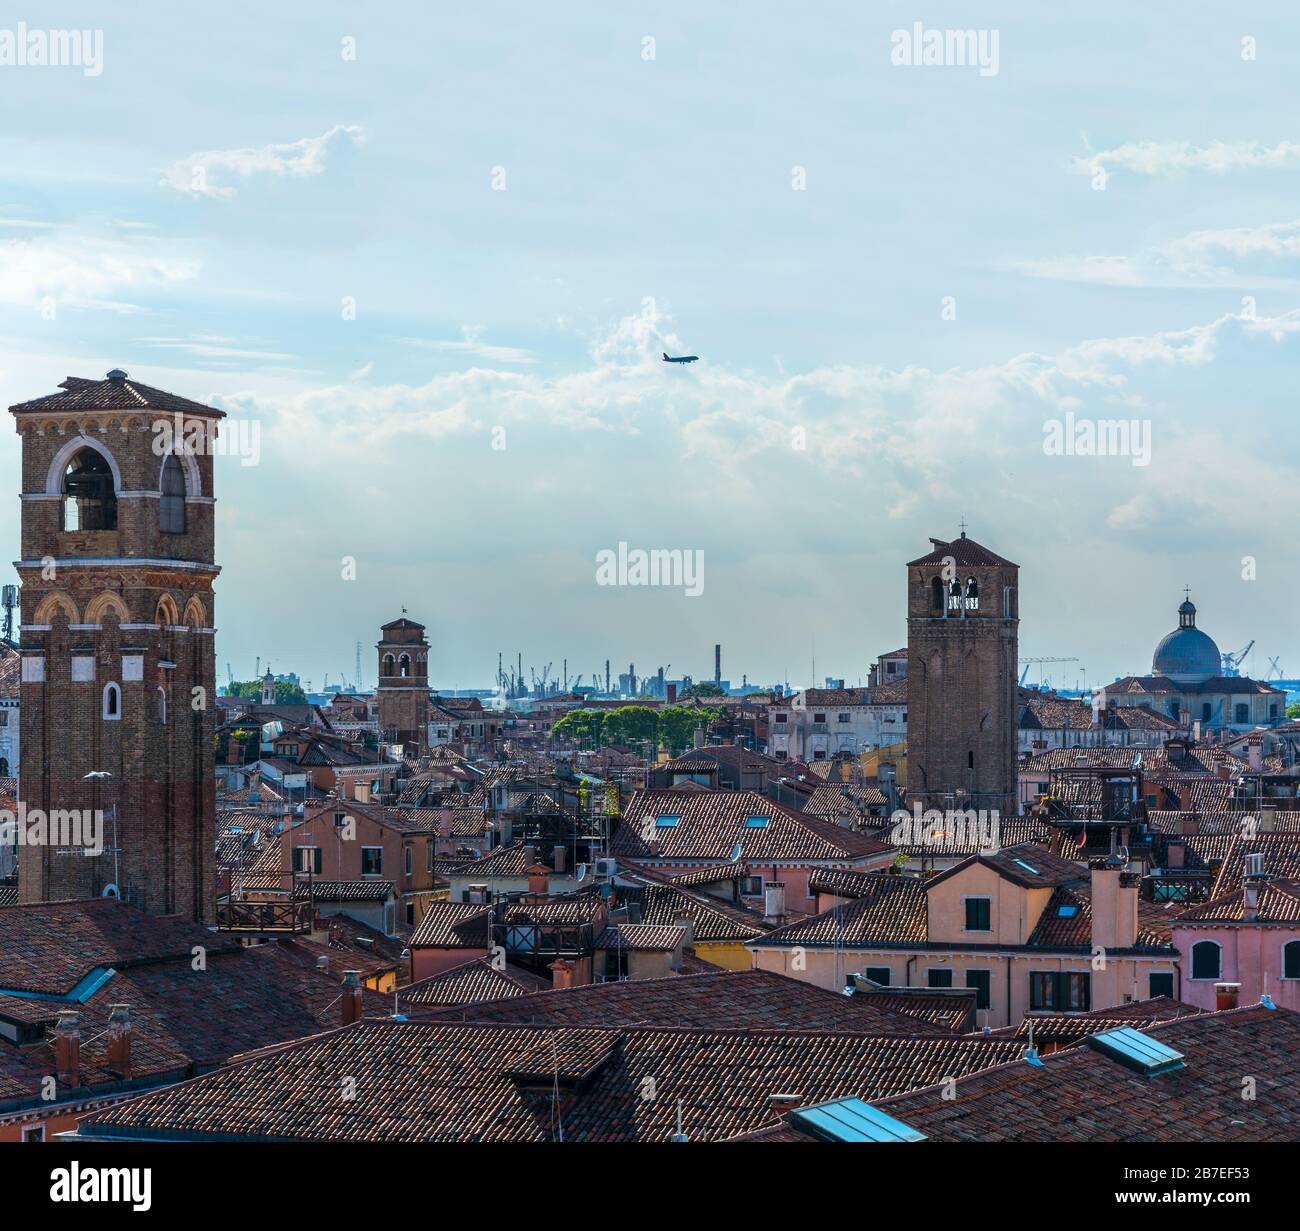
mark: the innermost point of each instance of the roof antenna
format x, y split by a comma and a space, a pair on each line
1031, 1052
679, 1135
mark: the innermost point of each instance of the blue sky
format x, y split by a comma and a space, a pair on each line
648, 205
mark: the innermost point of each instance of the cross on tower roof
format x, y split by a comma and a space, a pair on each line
962, 525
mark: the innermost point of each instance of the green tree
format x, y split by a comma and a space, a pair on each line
677, 725
585, 728
706, 688
1293, 711
632, 724
251, 690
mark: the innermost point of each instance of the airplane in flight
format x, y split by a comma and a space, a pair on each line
680, 358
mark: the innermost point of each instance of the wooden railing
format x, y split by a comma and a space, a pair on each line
290, 915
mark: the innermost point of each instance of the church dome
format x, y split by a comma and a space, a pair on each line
1187, 655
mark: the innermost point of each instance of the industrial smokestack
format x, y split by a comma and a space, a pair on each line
717, 664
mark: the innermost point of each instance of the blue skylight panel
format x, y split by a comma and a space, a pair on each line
850, 1119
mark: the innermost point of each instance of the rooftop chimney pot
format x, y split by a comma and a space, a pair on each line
67, 1049
351, 996
119, 1040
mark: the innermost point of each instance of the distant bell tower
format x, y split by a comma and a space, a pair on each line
268, 688
962, 648
118, 663
403, 693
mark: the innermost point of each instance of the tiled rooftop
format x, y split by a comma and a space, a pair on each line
449, 1081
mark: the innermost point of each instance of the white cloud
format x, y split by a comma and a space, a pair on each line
900, 439
209, 346
1262, 256
471, 343
207, 174
88, 271
1180, 157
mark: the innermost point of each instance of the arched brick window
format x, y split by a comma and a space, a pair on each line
171, 506
89, 501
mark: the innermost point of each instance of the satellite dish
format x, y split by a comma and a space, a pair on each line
735, 853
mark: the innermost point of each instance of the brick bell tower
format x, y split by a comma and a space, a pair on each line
118, 660
403, 693
962, 648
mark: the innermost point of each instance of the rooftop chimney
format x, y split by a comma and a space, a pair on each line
1114, 905
672, 693
1255, 753
351, 997
539, 880
561, 974
1226, 996
67, 1049
119, 1040
558, 857
1251, 883
699, 737
773, 902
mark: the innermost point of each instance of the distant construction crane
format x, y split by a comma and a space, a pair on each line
1029, 662
1231, 662
357, 681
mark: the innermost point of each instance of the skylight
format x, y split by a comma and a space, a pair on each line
1066, 911
850, 1119
667, 822
757, 822
1026, 866
1137, 1051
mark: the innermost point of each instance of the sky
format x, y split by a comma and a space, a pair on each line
429, 258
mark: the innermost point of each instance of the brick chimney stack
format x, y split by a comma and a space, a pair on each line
1226, 996
539, 880
67, 1049
119, 1040
351, 997
561, 974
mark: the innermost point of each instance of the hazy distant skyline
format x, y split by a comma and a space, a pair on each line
895, 277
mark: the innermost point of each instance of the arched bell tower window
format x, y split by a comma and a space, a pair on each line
171, 508
112, 702
954, 596
972, 594
404, 665
936, 594
388, 664
89, 501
